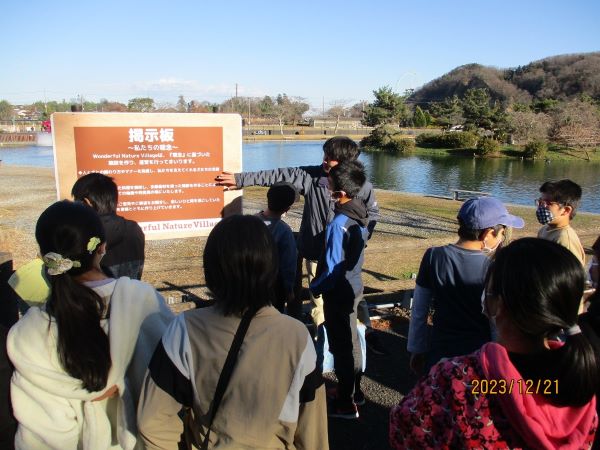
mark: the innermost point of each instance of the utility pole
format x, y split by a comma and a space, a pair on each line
236, 90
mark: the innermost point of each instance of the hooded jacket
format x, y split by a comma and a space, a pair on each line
311, 183
53, 409
125, 243
449, 409
339, 269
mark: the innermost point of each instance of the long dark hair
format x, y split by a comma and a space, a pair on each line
240, 264
541, 284
83, 348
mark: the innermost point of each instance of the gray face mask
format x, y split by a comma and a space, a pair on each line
544, 215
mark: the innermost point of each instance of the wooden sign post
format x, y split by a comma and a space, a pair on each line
164, 165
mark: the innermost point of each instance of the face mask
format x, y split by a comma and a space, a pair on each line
544, 215
489, 250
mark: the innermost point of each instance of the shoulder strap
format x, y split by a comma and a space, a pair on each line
228, 370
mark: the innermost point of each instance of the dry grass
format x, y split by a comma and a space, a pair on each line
408, 226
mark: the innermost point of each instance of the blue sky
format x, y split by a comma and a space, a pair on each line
324, 51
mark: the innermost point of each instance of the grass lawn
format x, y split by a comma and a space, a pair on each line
554, 153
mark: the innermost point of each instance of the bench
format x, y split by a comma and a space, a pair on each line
462, 194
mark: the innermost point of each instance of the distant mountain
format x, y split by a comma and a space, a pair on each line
558, 77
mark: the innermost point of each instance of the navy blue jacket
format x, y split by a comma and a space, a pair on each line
311, 183
339, 269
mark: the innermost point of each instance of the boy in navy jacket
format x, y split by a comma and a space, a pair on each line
339, 281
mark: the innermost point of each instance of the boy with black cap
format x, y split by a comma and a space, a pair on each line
451, 279
280, 197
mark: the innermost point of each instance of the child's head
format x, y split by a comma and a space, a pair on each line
337, 150
70, 229
281, 196
346, 179
561, 198
97, 190
240, 264
485, 219
71, 240
533, 291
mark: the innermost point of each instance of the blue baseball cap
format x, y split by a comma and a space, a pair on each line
486, 212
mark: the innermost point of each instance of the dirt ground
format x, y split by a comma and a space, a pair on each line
409, 224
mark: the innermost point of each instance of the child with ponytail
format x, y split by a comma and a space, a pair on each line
535, 386
80, 359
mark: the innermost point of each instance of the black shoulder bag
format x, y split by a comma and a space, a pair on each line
191, 435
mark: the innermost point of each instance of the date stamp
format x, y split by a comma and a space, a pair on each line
519, 386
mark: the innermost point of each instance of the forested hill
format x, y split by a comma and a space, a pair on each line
557, 77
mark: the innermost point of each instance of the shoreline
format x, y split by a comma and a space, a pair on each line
50, 170
409, 224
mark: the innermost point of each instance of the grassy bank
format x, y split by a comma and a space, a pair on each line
409, 224
510, 152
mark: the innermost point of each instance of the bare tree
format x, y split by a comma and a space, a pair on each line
527, 126
576, 125
337, 110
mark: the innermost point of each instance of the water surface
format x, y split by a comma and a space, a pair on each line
513, 181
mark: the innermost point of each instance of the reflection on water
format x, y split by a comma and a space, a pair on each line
512, 181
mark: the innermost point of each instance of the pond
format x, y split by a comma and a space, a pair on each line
513, 181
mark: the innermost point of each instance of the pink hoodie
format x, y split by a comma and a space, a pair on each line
538, 422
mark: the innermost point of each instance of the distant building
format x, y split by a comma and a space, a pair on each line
330, 122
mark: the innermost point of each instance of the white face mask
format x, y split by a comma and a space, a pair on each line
489, 250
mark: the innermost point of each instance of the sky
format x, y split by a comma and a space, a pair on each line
324, 51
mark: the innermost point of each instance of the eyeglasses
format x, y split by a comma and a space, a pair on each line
542, 202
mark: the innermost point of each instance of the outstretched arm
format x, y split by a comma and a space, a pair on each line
300, 177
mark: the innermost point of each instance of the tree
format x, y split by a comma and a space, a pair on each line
141, 104
107, 106
201, 107
165, 107
337, 110
480, 112
576, 125
388, 107
266, 107
449, 112
7, 111
527, 126
477, 109
357, 110
419, 118
182, 106
289, 109
546, 105
235, 105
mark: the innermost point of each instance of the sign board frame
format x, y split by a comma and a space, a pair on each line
67, 132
